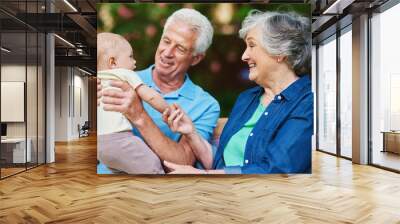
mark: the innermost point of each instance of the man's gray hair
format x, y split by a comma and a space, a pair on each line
200, 24
284, 34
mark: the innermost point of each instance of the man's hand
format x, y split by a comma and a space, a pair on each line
99, 93
178, 121
125, 100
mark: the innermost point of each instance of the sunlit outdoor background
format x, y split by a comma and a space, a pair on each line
222, 73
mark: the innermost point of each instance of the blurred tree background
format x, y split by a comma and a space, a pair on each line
222, 72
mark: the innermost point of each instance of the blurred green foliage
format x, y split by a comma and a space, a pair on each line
221, 73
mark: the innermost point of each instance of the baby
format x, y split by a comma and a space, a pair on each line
115, 139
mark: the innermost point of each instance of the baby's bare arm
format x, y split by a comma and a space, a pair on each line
179, 121
152, 97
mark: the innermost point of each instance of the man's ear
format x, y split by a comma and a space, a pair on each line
196, 59
111, 63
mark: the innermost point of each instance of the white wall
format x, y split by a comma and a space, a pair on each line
80, 110
33, 126
61, 103
16, 73
71, 102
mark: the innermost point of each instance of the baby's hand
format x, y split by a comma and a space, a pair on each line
177, 120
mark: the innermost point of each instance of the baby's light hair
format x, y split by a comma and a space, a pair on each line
107, 47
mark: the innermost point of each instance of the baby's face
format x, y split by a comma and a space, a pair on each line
124, 58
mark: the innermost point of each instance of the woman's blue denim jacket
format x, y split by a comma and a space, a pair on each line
280, 142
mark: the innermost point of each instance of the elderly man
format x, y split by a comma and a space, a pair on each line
186, 37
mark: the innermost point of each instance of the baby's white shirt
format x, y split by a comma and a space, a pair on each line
112, 122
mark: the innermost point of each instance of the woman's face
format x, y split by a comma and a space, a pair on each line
260, 62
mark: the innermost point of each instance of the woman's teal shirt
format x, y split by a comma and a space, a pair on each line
234, 150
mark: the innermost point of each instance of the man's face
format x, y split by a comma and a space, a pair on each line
174, 54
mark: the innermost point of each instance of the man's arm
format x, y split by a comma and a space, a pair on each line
130, 105
167, 149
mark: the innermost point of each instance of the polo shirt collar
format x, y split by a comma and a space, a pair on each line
186, 90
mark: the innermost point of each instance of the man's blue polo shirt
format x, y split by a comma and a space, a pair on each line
199, 105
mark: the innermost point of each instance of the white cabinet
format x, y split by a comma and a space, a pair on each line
18, 149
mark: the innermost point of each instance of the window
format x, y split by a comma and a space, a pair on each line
346, 74
327, 95
22, 67
385, 89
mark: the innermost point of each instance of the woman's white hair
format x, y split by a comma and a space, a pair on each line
199, 23
283, 34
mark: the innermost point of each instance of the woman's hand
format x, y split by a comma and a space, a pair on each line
177, 120
182, 169
125, 100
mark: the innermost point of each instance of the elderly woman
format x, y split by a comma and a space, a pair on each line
270, 127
